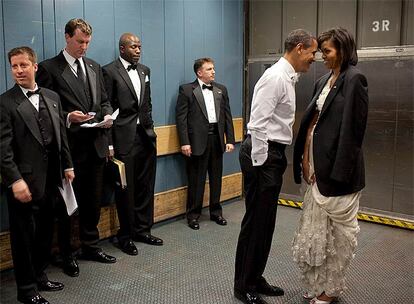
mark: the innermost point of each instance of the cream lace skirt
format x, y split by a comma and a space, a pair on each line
325, 241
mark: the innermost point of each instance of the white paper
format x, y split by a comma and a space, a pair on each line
102, 123
68, 197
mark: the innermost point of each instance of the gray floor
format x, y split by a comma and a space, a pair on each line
197, 267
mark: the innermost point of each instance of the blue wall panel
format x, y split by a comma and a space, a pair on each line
99, 14
3, 55
49, 30
173, 34
64, 11
153, 54
24, 30
127, 19
175, 55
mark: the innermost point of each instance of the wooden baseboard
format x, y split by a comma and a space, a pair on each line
168, 204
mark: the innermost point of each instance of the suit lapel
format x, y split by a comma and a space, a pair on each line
25, 109
200, 99
332, 93
125, 77
92, 79
141, 75
54, 116
73, 84
217, 93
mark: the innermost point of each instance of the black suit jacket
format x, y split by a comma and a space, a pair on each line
123, 97
338, 135
22, 150
192, 119
56, 74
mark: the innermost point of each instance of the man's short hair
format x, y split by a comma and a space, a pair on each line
80, 24
298, 36
198, 63
23, 50
344, 44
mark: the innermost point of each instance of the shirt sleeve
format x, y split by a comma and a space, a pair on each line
264, 103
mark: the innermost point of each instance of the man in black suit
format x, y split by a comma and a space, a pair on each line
203, 118
79, 82
128, 86
34, 155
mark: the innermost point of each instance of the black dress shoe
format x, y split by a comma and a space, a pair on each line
249, 297
37, 299
70, 267
98, 256
193, 224
128, 247
265, 288
148, 239
219, 220
50, 286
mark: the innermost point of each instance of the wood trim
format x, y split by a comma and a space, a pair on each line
168, 142
168, 204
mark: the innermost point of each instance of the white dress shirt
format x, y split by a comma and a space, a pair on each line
272, 110
71, 61
136, 81
34, 99
209, 101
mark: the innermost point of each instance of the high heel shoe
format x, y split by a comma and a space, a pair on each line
308, 295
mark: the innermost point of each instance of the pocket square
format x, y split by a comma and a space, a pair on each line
146, 78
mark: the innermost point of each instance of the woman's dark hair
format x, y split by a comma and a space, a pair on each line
344, 44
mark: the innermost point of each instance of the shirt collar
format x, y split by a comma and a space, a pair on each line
24, 90
290, 71
70, 59
124, 62
200, 82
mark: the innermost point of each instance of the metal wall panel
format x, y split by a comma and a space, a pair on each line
64, 11
3, 55
337, 13
265, 27
49, 30
299, 14
407, 36
379, 23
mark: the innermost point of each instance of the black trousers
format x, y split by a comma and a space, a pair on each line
135, 204
31, 234
210, 161
88, 186
262, 186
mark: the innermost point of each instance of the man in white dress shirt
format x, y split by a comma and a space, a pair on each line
263, 162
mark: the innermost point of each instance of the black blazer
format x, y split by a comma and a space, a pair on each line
338, 135
192, 119
22, 150
55, 74
123, 97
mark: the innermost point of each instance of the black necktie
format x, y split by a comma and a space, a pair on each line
209, 87
30, 93
131, 67
79, 72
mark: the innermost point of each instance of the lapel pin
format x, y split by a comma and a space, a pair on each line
54, 105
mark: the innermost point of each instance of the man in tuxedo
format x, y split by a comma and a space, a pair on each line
128, 87
34, 159
203, 117
79, 82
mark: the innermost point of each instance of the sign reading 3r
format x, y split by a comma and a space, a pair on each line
381, 25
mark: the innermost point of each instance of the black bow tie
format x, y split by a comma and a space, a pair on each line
30, 93
209, 87
131, 67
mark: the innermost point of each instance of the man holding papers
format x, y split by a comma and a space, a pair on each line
34, 159
128, 86
79, 82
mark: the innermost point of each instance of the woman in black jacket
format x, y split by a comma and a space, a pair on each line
328, 155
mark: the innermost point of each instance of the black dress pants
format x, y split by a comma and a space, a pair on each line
210, 161
135, 204
31, 234
262, 186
